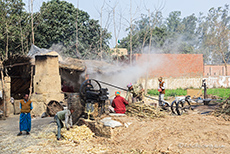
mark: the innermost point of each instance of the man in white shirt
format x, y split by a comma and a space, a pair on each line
161, 90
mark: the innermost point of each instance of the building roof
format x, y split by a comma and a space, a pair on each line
73, 64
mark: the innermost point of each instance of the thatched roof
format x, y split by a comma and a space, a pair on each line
94, 66
17, 60
73, 64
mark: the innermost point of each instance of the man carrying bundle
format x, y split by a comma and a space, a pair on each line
135, 93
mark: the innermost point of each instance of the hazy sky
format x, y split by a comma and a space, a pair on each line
93, 7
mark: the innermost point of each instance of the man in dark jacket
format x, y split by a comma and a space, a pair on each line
119, 103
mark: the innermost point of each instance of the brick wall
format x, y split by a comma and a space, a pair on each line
216, 70
173, 83
174, 65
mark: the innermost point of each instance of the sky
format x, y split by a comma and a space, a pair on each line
122, 10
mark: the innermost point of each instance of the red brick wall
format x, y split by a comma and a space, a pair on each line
173, 65
216, 70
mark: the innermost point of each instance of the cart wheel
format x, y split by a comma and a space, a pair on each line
183, 107
173, 107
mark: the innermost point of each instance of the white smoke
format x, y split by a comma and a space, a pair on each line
121, 75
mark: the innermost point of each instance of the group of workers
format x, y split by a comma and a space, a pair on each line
135, 93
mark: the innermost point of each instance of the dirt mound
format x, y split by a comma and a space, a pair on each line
223, 110
143, 111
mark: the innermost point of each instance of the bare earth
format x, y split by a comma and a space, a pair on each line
192, 133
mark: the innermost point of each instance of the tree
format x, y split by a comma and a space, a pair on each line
218, 35
11, 15
173, 22
214, 38
57, 25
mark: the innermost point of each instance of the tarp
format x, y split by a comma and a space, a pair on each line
34, 50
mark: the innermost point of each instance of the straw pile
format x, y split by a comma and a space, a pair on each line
76, 140
143, 111
223, 110
76, 134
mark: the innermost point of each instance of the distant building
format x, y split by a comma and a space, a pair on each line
216, 70
119, 52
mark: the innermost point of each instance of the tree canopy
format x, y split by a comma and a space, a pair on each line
208, 35
60, 23
55, 23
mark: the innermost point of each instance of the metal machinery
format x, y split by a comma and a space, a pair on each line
92, 93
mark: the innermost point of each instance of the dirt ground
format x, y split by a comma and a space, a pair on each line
192, 133
10, 143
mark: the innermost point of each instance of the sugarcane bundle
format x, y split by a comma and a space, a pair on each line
143, 111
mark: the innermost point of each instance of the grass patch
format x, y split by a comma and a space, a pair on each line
220, 92
169, 92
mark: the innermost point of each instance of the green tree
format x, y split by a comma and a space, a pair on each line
173, 22
218, 35
11, 12
57, 25
214, 36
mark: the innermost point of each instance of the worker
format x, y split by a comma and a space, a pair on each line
65, 87
119, 103
26, 106
135, 92
161, 89
63, 115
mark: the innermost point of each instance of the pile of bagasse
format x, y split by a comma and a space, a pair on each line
223, 110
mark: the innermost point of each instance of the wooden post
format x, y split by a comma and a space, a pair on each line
3, 88
31, 81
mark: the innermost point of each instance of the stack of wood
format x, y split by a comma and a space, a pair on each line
223, 110
143, 111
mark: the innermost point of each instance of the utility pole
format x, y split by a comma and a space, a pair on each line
150, 39
101, 33
32, 21
77, 29
131, 52
115, 33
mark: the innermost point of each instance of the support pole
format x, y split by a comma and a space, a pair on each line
3, 89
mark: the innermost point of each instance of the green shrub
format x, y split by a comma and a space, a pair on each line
220, 92
169, 92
